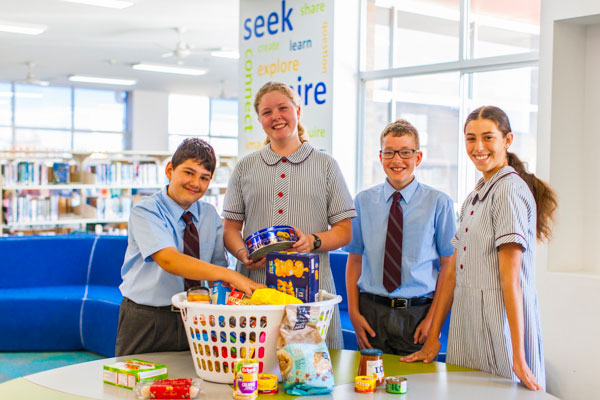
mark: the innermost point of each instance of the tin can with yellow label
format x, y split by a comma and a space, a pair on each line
364, 384
267, 384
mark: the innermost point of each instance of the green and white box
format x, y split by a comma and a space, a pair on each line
129, 372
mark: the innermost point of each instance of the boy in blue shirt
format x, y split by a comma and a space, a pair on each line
397, 261
157, 264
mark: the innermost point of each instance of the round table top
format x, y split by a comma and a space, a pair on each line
425, 381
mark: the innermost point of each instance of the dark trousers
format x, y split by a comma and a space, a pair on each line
147, 329
394, 327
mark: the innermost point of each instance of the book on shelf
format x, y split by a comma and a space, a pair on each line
61, 172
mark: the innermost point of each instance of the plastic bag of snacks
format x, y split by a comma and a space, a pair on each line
272, 296
303, 356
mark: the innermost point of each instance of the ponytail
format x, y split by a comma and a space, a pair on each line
545, 198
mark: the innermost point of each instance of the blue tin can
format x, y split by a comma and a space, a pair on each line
274, 238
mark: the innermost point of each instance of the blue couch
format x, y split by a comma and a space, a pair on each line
60, 293
337, 260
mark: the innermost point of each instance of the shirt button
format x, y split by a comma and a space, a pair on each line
280, 194
284, 159
283, 175
461, 266
280, 211
466, 229
471, 212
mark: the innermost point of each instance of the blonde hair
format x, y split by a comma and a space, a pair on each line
287, 91
399, 128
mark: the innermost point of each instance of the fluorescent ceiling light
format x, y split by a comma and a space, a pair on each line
119, 4
170, 69
225, 54
106, 81
17, 27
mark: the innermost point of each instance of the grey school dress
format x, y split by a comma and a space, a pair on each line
499, 211
306, 190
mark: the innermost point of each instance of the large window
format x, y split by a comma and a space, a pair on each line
62, 118
431, 62
214, 120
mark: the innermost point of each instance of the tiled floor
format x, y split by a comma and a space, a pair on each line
17, 364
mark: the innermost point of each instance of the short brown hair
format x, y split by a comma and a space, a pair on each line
399, 128
198, 150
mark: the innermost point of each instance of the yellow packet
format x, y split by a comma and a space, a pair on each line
272, 296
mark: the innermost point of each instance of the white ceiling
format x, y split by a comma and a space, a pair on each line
81, 39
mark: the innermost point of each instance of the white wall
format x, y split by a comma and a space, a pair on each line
149, 120
568, 271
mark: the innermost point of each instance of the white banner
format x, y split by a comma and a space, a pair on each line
290, 42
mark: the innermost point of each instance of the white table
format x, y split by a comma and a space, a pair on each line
84, 381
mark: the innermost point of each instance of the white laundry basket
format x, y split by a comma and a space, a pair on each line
220, 334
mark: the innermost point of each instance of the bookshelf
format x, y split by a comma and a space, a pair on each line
63, 192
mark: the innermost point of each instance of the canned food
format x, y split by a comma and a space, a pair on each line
396, 384
267, 384
364, 384
274, 238
245, 381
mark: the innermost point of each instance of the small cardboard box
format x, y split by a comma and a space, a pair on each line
294, 273
127, 373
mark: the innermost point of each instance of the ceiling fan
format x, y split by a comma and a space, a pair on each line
30, 78
184, 49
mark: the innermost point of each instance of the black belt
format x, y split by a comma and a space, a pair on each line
170, 308
398, 303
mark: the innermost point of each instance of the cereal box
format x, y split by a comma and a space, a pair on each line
127, 373
296, 274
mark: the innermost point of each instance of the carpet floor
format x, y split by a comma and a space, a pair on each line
16, 364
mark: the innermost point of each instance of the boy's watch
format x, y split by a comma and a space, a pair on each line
317, 242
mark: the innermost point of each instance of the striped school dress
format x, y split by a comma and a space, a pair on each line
305, 189
501, 210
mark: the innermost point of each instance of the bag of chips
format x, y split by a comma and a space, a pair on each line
303, 356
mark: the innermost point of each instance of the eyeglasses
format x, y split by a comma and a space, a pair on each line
404, 153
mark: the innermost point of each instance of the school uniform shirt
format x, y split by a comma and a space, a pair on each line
155, 223
429, 225
501, 210
305, 189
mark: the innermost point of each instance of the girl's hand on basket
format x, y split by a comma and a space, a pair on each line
246, 285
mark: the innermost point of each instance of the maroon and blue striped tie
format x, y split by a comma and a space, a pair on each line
191, 244
392, 261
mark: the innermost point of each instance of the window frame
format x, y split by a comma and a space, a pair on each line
464, 66
72, 130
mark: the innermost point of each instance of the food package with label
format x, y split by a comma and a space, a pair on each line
302, 354
183, 388
296, 274
130, 372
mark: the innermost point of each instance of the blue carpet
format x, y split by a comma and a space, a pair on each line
17, 364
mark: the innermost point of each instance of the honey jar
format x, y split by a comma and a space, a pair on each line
371, 364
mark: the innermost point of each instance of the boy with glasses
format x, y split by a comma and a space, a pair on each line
400, 250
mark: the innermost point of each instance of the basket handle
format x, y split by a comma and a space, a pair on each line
325, 295
177, 299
